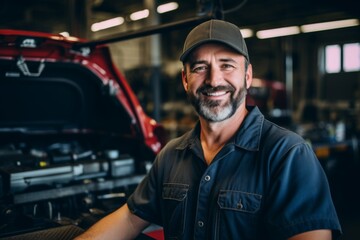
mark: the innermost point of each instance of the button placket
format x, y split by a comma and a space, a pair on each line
203, 201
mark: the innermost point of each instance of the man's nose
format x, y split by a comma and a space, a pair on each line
214, 77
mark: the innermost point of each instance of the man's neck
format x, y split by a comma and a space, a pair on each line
214, 135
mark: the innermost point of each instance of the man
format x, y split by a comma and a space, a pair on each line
235, 175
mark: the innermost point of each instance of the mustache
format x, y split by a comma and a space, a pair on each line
209, 89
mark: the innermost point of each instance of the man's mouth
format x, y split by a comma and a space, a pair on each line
218, 91
215, 94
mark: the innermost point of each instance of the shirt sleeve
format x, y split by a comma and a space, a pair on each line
300, 196
144, 201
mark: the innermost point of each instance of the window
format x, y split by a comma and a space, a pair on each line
351, 57
332, 59
344, 57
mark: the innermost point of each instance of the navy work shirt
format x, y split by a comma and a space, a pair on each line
266, 183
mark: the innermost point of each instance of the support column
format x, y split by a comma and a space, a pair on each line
79, 15
289, 74
155, 58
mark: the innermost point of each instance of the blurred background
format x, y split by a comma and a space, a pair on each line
305, 55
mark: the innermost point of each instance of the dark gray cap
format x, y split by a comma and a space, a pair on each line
215, 31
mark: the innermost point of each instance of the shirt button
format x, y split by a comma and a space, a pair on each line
200, 224
207, 178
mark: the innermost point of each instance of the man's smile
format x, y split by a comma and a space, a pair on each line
215, 94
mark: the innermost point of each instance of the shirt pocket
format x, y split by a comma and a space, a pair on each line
174, 198
239, 201
238, 215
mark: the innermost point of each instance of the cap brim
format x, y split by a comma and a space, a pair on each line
185, 54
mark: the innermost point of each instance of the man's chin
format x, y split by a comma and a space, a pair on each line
217, 114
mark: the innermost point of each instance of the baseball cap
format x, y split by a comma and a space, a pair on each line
215, 31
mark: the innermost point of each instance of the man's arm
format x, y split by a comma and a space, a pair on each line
121, 224
322, 234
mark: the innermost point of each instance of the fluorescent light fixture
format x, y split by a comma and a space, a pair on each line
246, 32
167, 7
113, 22
139, 15
278, 32
329, 25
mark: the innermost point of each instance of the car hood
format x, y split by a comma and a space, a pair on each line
49, 85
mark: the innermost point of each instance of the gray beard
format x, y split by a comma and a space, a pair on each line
214, 111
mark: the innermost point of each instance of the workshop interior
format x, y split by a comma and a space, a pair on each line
90, 92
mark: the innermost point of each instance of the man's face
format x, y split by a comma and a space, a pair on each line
216, 81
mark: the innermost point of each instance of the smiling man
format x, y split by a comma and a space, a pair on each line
236, 175
210, 65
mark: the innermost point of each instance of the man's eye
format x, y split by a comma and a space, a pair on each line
199, 69
227, 66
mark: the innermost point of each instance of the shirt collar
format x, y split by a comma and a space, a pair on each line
247, 137
249, 134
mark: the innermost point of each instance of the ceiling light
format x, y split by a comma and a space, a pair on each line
139, 15
329, 25
246, 32
113, 22
278, 32
167, 7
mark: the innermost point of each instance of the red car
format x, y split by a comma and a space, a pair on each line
74, 140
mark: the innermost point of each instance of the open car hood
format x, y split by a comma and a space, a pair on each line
48, 86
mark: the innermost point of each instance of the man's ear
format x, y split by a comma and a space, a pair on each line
184, 79
249, 76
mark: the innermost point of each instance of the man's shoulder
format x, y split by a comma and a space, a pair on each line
273, 133
180, 142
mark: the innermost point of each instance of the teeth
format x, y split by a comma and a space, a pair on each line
216, 93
